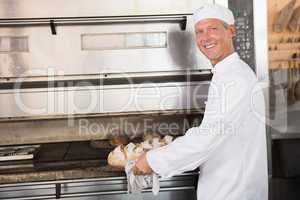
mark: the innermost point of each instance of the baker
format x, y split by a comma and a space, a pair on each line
229, 146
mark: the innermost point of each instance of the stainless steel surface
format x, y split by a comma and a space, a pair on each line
116, 187
98, 127
178, 187
82, 8
41, 191
64, 53
176, 193
102, 99
96, 39
279, 136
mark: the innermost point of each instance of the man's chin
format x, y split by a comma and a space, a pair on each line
210, 57
209, 54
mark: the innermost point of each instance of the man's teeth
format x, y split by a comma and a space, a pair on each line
208, 46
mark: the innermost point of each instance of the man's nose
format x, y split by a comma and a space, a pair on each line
205, 37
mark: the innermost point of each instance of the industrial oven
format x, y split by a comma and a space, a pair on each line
76, 72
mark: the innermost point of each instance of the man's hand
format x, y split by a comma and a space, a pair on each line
142, 167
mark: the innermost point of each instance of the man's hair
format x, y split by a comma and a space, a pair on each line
225, 25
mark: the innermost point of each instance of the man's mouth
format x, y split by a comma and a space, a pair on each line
209, 46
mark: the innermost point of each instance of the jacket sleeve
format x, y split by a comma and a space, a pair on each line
226, 106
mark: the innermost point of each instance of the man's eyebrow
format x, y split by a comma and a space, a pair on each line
212, 26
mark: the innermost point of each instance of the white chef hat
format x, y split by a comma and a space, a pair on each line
214, 11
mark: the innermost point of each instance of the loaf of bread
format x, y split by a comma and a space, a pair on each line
118, 140
122, 154
167, 139
133, 151
117, 157
150, 136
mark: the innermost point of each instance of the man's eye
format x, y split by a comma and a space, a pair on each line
213, 28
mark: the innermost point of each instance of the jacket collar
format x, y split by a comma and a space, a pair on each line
225, 65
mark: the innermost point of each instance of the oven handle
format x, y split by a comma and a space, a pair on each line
53, 22
125, 191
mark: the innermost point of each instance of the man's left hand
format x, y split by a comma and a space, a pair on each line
142, 166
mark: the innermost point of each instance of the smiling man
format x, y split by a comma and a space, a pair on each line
214, 39
229, 146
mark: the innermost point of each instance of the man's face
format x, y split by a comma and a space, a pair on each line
214, 40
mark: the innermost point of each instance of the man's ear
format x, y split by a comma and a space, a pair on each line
232, 30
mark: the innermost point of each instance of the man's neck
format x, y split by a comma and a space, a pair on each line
214, 62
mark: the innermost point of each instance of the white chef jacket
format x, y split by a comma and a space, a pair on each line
230, 144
